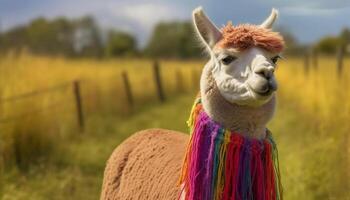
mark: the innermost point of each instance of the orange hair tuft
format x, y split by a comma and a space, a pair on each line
246, 36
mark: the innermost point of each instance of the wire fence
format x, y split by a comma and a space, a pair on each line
311, 60
74, 85
42, 91
78, 99
31, 112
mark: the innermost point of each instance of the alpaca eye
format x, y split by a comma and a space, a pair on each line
228, 59
275, 59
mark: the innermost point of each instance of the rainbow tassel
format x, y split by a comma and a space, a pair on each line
222, 165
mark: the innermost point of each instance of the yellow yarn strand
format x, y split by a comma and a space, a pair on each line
221, 168
190, 122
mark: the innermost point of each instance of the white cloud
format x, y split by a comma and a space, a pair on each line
141, 17
147, 15
312, 4
311, 7
304, 11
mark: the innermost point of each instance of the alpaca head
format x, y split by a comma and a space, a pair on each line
243, 58
238, 83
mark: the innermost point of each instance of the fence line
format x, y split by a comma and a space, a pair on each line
312, 58
35, 93
315, 59
77, 96
306, 63
195, 78
127, 88
30, 113
79, 104
75, 85
158, 81
179, 81
340, 60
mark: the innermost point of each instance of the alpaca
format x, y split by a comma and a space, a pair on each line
237, 92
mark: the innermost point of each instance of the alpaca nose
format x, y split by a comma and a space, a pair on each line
265, 71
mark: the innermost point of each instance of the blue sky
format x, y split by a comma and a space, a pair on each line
307, 20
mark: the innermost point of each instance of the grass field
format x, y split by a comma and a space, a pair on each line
44, 156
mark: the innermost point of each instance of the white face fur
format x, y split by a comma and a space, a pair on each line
243, 78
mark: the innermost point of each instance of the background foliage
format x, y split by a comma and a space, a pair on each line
82, 37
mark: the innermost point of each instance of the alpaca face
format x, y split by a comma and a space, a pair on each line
245, 78
244, 59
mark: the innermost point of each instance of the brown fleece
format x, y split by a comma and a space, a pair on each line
245, 36
146, 166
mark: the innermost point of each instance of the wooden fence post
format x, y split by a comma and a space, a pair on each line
78, 104
195, 79
179, 81
158, 81
340, 59
127, 89
315, 59
306, 63
2, 167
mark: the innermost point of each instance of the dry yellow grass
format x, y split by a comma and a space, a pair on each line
321, 91
45, 116
316, 157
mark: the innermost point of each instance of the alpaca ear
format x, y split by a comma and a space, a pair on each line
270, 20
207, 31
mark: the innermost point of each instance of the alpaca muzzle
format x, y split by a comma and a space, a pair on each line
263, 84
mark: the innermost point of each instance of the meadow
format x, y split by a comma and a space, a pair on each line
44, 155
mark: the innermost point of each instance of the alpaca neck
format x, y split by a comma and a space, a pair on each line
221, 164
249, 121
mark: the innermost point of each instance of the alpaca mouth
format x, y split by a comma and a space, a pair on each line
265, 91
261, 87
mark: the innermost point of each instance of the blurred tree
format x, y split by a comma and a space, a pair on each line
345, 40
293, 47
64, 36
87, 39
345, 36
120, 44
13, 39
79, 37
328, 45
44, 37
173, 40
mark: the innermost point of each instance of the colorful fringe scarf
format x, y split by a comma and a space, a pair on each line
223, 165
